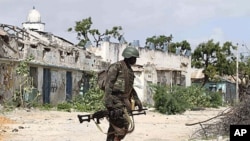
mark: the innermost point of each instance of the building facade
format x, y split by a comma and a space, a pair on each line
59, 69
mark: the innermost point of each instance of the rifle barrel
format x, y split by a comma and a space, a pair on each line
145, 109
101, 114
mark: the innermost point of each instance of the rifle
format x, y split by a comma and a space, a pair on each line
105, 113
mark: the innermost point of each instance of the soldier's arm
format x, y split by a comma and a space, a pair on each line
110, 81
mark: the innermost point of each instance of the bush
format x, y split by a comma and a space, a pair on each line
92, 99
215, 99
88, 102
64, 106
178, 99
169, 102
196, 97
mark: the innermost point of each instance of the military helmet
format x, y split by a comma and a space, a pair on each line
130, 52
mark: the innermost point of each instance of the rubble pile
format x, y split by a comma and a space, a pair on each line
220, 124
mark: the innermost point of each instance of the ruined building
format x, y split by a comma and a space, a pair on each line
60, 70
57, 70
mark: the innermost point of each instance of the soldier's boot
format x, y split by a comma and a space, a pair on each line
116, 139
110, 137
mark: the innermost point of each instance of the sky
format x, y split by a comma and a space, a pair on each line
196, 21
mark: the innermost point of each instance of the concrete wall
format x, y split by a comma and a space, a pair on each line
155, 66
7, 79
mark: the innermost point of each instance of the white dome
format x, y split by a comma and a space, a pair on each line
34, 16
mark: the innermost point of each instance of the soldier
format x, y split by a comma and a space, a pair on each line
118, 94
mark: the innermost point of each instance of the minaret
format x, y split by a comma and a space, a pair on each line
34, 21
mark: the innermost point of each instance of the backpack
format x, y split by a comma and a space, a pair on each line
102, 76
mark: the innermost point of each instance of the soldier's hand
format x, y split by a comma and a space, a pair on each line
140, 108
138, 103
115, 113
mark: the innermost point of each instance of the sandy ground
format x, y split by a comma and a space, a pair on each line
36, 125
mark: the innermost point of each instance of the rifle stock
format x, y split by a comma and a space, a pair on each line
103, 113
82, 118
96, 116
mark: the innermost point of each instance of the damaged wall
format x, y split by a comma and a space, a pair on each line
57, 68
155, 67
58, 65
7, 79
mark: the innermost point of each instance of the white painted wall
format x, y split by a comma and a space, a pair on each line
150, 59
37, 26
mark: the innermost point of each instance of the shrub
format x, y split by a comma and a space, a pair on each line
178, 99
169, 101
92, 99
64, 106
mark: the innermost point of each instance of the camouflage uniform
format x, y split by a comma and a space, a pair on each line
115, 90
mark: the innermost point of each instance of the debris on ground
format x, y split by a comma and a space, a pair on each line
219, 125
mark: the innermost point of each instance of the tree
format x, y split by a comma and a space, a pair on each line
226, 64
158, 41
163, 42
84, 30
214, 59
244, 76
183, 45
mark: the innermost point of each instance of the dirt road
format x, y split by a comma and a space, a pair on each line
36, 125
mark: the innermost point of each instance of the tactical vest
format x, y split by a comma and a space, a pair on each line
125, 78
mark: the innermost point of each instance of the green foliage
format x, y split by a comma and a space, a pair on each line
216, 60
90, 101
183, 45
158, 41
23, 67
46, 107
65, 106
215, 99
25, 83
167, 101
196, 96
84, 30
244, 76
178, 99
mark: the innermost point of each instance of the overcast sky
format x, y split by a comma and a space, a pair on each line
196, 21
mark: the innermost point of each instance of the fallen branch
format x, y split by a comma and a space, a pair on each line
200, 122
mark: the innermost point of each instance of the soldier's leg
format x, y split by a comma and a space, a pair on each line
123, 124
117, 129
111, 133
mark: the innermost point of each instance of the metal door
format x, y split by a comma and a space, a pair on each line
68, 86
46, 85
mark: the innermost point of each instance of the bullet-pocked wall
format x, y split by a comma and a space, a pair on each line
57, 66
